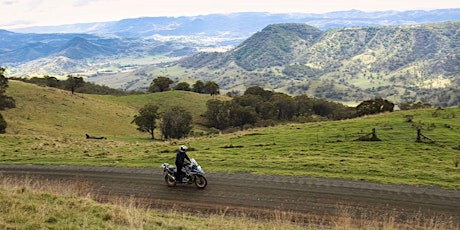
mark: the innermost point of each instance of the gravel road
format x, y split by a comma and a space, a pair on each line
257, 195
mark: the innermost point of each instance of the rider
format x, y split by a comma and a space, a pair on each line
180, 157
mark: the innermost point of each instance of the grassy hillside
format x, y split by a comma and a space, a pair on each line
53, 112
193, 102
48, 128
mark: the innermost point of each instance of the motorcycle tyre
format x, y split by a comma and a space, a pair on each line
201, 182
170, 181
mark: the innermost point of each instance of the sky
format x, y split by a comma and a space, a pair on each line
26, 13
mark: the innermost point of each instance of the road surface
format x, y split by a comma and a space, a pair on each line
257, 195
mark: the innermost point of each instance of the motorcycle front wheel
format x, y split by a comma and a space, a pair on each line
200, 181
170, 181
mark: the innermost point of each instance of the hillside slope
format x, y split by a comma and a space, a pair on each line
399, 63
54, 112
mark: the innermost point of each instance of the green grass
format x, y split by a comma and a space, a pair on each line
48, 127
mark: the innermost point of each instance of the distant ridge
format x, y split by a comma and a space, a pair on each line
80, 48
246, 23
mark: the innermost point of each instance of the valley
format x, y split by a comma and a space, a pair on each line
399, 56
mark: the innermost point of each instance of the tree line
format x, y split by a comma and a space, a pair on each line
258, 107
161, 84
77, 84
74, 84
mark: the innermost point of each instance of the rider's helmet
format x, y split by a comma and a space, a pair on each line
182, 148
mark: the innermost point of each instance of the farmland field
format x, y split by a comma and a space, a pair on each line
48, 128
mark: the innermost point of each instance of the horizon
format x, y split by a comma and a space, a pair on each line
19, 14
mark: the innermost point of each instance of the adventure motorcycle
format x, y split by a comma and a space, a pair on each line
193, 174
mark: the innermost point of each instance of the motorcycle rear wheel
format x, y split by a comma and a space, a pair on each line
171, 182
201, 182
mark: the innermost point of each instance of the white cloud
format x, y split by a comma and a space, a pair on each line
6, 2
80, 3
22, 13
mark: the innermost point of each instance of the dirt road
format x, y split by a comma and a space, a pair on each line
258, 195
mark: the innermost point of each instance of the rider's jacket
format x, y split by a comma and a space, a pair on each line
180, 157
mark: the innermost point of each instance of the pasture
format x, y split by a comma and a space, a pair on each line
49, 125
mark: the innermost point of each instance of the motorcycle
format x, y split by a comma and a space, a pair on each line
193, 174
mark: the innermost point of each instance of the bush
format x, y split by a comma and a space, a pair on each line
213, 131
7, 102
2, 124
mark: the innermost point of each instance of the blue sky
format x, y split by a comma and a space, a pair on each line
25, 13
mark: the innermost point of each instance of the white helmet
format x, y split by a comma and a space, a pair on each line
183, 148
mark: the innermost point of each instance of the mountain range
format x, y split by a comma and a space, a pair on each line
401, 63
344, 56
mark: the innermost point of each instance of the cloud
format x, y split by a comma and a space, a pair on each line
6, 2
80, 3
58, 12
15, 23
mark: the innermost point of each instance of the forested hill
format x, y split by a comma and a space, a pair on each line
400, 63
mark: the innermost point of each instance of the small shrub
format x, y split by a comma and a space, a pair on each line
409, 118
231, 130
213, 131
51, 220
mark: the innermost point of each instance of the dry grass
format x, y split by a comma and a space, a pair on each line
375, 219
31, 203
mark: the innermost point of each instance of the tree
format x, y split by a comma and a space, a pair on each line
198, 87
146, 119
304, 105
176, 123
6, 102
257, 90
72, 83
264, 109
211, 88
240, 116
160, 84
217, 114
51, 81
2, 124
285, 106
3, 81
374, 106
182, 86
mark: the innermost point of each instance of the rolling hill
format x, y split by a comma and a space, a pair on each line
53, 112
49, 126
